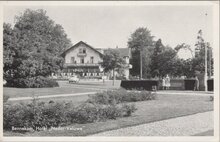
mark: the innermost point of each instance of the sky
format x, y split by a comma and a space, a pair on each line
111, 26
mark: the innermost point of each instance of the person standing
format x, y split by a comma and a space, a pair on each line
167, 82
196, 88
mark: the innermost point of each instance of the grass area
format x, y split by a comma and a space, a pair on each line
65, 88
28, 92
165, 107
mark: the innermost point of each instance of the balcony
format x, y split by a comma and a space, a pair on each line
81, 65
81, 54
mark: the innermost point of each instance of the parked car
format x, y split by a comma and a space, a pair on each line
74, 79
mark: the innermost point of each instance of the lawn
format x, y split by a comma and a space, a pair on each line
65, 88
164, 107
28, 92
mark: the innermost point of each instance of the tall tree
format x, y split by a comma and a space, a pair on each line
36, 47
141, 44
199, 60
155, 59
112, 61
8, 48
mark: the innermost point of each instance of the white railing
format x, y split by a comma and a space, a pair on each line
81, 54
81, 64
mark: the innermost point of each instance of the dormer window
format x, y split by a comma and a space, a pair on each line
84, 50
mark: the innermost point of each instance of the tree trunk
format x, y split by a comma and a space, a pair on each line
113, 83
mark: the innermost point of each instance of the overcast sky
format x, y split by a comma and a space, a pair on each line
111, 26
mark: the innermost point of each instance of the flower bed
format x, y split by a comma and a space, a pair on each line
36, 114
121, 96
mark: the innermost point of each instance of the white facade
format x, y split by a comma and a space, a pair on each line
87, 56
82, 59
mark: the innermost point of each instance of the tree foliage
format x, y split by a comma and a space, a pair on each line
199, 60
112, 61
155, 59
141, 41
32, 47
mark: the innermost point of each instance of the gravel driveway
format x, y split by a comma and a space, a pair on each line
180, 126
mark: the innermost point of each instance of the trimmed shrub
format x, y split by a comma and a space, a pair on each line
119, 96
32, 82
210, 83
189, 84
139, 84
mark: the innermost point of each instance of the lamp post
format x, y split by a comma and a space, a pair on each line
140, 63
205, 75
205, 78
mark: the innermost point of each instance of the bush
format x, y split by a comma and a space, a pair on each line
33, 115
120, 95
88, 112
54, 114
32, 82
129, 109
84, 113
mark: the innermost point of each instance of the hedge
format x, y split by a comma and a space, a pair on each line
32, 82
210, 84
189, 84
139, 84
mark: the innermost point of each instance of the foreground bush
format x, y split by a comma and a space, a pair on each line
33, 82
35, 114
121, 96
54, 114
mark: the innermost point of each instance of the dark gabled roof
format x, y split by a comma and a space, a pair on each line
79, 43
124, 52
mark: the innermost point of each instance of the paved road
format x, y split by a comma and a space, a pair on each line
50, 96
98, 89
180, 126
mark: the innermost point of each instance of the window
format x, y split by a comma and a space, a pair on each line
82, 60
92, 59
72, 59
84, 50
